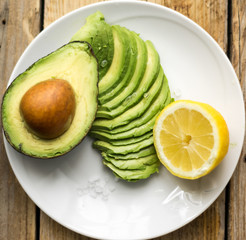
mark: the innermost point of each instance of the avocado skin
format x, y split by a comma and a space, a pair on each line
14, 137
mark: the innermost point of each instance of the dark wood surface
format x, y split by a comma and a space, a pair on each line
22, 20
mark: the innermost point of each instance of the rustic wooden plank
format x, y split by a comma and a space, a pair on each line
55, 9
237, 198
212, 16
19, 23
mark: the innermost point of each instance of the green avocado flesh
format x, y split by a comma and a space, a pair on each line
100, 36
139, 163
75, 63
132, 93
133, 175
123, 149
129, 67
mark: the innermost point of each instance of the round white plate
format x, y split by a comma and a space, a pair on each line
68, 188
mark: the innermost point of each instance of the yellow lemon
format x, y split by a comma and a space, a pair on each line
191, 138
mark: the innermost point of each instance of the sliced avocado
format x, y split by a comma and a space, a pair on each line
138, 126
142, 153
131, 57
139, 163
74, 63
151, 72
135, 174
130, 140
120, 62
99, 34
133, 112
131, 148
132, 133
128, 89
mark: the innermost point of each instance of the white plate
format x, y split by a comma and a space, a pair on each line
197, 69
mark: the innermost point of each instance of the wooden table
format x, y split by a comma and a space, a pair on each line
22, 20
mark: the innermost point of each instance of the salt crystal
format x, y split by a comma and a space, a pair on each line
80, 191
177, 92
93, 194
105, 192
94, 179
111, 188
98, 189
105, 198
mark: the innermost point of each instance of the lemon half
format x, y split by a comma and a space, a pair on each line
191, 138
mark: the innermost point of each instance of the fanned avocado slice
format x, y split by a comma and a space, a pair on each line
119, 64
133, 112
138, 163
141, 62
132, 133
130, 140
74, 64
131, 148
135, 174
99, 35
130, 66
139, 125
142, 153
151, 72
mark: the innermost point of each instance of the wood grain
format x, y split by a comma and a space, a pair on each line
237, 198
212, 16
19, 24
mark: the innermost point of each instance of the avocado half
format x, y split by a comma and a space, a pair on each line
75, 63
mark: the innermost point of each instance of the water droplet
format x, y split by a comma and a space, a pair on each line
177, 92
146, 95
104, 63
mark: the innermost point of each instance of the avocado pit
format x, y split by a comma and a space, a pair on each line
48, 108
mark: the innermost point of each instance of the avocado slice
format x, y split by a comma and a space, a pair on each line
139, 163
130, 140
133, 112
99, 35
134, 174
142, 153
132, 133
151, 72
119, 64
141, 62
74, 63
123, 149
139, 125
130, 67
